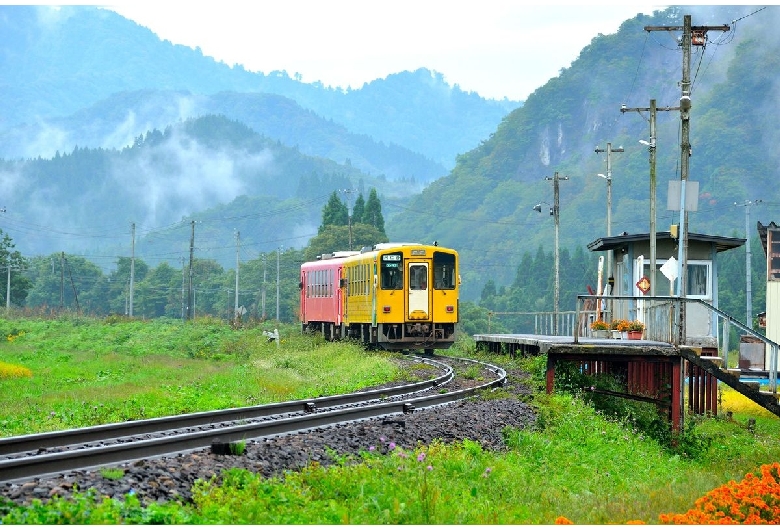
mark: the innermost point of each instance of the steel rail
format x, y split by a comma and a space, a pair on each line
38, 441
47, 464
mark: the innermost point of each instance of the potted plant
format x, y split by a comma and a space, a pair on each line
635, 330
619, 328
599, 329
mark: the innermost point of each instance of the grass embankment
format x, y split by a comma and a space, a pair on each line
75, 372
575, 465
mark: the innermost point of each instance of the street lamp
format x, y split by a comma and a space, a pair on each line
554, 213
609, 150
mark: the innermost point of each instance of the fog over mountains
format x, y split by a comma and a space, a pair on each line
105, 125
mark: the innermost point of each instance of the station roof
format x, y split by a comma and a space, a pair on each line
615, 242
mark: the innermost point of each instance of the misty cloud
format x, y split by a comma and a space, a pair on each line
180, 175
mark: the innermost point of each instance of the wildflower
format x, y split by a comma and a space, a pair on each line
381, 438
430, 468
421, 457
391, 446
371, 448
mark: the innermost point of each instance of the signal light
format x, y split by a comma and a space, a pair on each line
450, 309
386, 309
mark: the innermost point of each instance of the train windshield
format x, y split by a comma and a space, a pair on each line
443, 270
392, 271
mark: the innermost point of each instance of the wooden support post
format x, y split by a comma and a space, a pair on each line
677, 406
550, 373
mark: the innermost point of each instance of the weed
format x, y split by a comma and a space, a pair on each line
112, 473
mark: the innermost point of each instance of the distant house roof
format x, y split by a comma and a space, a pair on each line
762, 232
613, 242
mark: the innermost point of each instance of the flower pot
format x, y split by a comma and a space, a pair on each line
634, 335
615, 334
600, 333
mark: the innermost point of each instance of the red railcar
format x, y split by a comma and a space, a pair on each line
321, 298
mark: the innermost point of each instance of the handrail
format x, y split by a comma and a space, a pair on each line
773, 358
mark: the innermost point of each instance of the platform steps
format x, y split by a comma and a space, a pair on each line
713, 365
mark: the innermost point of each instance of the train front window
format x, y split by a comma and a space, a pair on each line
443, 270
418, 277
392, 272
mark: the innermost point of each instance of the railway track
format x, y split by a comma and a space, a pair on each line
45, 454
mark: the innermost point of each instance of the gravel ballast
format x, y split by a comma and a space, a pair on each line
171, 477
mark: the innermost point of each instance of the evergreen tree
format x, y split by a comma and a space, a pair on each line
373, 212
359, 210
334, 213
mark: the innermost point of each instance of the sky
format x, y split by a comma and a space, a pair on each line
497, 48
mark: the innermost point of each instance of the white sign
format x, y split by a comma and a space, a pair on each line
669, 269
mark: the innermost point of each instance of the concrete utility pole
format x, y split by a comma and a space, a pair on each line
692, 36
347, 193
132, 266
651, 146
278, 252
190, 293
555, 212
748, 279
609, 150
238, 246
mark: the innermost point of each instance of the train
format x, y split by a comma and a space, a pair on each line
393, 296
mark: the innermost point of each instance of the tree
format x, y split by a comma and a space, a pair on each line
334, 213
373, 212
336, 238
358, 211
20, 285
65, 281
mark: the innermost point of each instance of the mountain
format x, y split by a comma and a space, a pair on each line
485, 207
57, 61
118, 120
212, 170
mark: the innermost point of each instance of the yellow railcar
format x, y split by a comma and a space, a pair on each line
401, 296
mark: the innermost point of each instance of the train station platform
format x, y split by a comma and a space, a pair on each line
652, 371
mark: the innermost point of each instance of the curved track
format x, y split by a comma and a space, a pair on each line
106, 444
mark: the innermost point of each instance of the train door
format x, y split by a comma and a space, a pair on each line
304, 290
339, 297
418, 303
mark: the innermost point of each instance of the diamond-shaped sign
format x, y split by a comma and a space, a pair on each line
643, 284
669, 269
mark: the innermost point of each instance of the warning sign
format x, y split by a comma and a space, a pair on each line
643, 284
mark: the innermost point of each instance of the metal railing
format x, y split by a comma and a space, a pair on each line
661, 316
544, 322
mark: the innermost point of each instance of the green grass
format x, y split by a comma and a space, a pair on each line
588, 466
89, 372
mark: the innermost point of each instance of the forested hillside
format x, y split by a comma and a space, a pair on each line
485, 206
85, 201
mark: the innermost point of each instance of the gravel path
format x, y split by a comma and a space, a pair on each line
170, 478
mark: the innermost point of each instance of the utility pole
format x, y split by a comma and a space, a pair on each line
238, 245
347, 193
262, 298
62, 280
609, 150
190, 293
183, 278
555, 211
748, 279
132, 266
278, 251
651, 146
692, 35
8, 285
